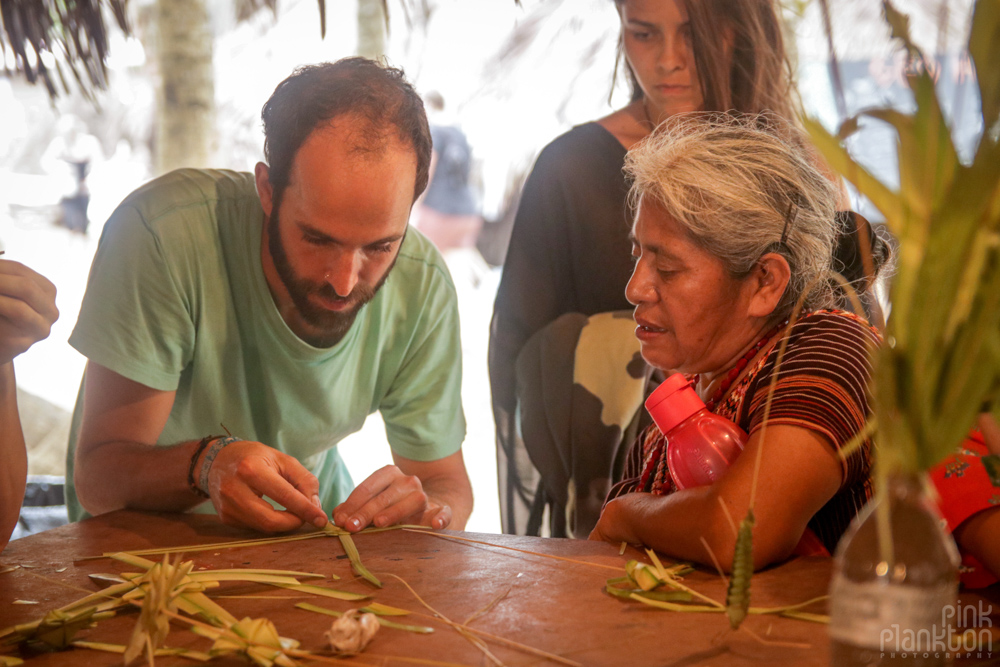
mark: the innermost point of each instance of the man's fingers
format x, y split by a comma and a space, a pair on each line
376, 483
413, 503
32, 288
436, 517
245, 470
238, 505
272, 483
303, 480
401, 500
21, 316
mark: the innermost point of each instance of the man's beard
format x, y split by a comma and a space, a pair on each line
331, 326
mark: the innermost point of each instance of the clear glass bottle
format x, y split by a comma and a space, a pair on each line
895, 611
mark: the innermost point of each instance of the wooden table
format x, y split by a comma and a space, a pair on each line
553, 605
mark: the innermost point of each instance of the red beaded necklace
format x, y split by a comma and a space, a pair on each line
735, 371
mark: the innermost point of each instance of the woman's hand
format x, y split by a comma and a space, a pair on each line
27, 309
611, 526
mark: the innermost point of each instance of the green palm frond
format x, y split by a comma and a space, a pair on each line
48, 37
942, 357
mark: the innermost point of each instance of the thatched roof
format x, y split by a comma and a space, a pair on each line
54, 42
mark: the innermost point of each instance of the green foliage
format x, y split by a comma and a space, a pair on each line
941, 359
738, 591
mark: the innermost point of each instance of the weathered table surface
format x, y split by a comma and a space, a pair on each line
556, 606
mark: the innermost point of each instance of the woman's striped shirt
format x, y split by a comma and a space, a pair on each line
822, 385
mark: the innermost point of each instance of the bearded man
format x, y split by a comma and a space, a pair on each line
288, 305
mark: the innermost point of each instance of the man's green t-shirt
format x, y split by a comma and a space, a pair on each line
177, 301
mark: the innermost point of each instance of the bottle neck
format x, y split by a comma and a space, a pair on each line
687, 420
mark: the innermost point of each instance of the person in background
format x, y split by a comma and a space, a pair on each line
70, 156
288, 305
569, 249
448, 213
969, 500
735, 224
27, 312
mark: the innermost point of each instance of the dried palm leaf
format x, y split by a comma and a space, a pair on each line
160, 652
254, 638
56, 629
352, 552
380, 609
161, 586
324, 592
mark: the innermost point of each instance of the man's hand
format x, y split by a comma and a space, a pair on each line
389, 497
27, 309
429, 493
244, 471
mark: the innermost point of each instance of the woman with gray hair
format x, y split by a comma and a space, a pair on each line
734, 225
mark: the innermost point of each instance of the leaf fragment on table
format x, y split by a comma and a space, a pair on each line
664, 596
160, 652
10, 568
260, 572
352, 552
25, 602
380, 609
324, 592
664, 590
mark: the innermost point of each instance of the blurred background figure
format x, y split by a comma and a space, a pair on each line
450, 213
69, 158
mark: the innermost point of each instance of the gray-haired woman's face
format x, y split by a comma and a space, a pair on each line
692, 316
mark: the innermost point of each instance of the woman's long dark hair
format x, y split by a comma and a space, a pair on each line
758, 76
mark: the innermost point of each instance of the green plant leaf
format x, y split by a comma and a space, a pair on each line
839, 159
984, 49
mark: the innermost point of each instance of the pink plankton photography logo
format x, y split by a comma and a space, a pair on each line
944, 640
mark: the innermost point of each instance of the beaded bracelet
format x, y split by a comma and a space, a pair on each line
206, 465
194, 461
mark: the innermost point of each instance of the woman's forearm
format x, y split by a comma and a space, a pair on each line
679, 525
700, 525
13, 457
